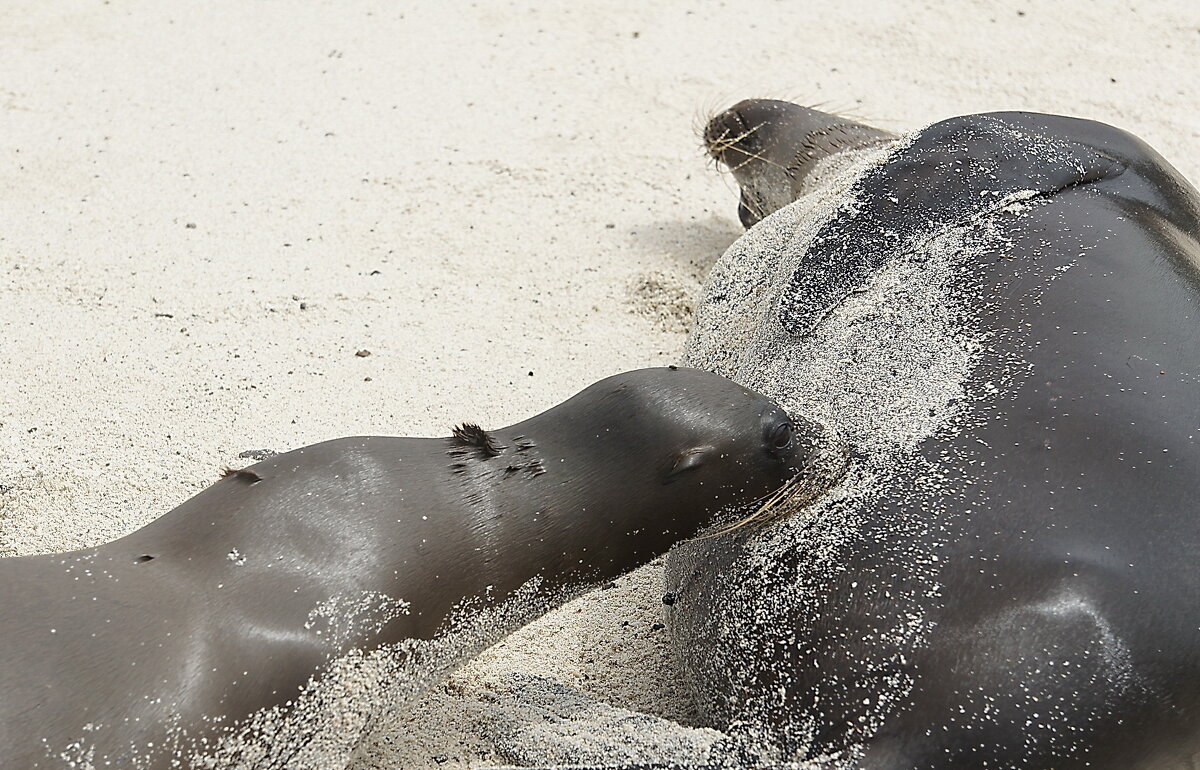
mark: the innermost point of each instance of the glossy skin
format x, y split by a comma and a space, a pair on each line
1066, 629
203, 612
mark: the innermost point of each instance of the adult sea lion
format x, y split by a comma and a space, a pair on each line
193, 641
1002, 312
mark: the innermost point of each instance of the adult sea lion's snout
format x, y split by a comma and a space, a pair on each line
770, 146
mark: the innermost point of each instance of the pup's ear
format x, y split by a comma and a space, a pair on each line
689, 459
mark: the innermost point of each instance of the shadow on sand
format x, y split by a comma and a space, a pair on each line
694, 244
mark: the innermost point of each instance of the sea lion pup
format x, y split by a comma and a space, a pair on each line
1001, 312
771, 147
144, 652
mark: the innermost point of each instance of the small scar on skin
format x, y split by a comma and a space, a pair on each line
145, 557
242, 474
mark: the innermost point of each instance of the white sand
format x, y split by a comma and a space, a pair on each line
196, 202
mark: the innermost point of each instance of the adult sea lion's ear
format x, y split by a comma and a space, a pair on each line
688, 460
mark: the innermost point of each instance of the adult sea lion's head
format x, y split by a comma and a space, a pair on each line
770, 147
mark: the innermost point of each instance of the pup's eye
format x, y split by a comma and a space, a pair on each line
780, 436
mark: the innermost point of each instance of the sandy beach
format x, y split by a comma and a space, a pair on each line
233, 226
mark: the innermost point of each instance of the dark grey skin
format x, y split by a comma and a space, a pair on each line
770, 147
164, 621
1067, 630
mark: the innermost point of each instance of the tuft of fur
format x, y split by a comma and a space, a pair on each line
470, 435
241, 474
